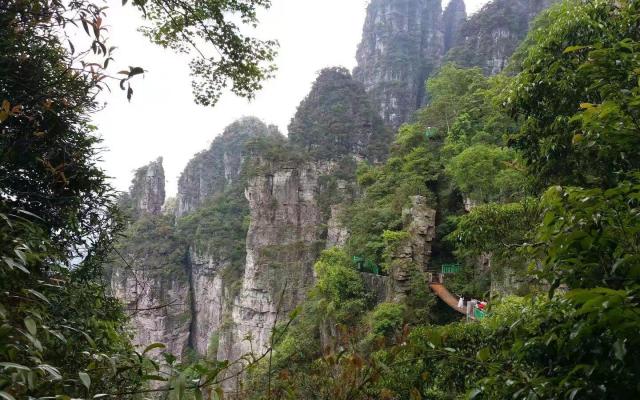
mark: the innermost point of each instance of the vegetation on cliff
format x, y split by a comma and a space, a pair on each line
337, 119
546, 158
61, 334
533, 179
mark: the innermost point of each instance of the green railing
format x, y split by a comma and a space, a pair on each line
366, 265
428, 134
478, 314
451, 268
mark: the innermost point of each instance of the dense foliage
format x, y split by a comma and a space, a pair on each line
337, 119
545, 164
61, 334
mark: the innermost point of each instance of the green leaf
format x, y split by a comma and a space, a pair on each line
154, 346
85, 379
38, 295
573, 49
6, 395
52, 371
473, 394
15, 366
294, 313
13, 264
133, 71
483, 354
31, 325
619, 349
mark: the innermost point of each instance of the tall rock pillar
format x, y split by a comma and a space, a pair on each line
402, 44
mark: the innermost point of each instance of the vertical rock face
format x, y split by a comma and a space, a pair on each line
148, 273
210, 171
420, 223
210, 301
147, 188
159, 304
453, 19
405, 41
284, 239
491, 36
402, 43
337, 233
337, 119
415, 252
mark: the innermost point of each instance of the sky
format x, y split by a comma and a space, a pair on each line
162, 119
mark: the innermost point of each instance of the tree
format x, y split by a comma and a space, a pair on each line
577, 94
485, 173
61, 334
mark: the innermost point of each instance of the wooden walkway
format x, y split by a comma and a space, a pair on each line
452, 301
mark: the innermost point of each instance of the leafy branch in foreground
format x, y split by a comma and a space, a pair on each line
223, 56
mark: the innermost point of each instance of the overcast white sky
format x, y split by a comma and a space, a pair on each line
162, 119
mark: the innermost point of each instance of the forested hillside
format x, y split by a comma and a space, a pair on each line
457, 219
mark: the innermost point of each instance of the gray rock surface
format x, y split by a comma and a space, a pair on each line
159, 305
413, 254
406, 41
147, 189
337, 233
453, 18
489, 38
212, 170
284, 239
402, 44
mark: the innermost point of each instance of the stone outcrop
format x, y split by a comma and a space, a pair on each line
337, 119
159, 304
402, 44
337, 233
212, 170
453, 18
491, 36
147, 191
284, 239
211, 301
405, 41
413, 254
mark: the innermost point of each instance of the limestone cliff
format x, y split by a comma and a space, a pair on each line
413, 254
406, 41
453, 18
490, 37
147, 273
337, 119
402, 44
212, 170
147, 191
284, 239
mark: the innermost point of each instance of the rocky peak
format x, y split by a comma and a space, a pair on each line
489, 37
337, 119
147, 188
213, 170
453, 18
402, 44
419, 222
